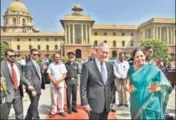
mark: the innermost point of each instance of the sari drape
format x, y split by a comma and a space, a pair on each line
145, 104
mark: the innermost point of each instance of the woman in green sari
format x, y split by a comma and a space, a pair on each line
148, 88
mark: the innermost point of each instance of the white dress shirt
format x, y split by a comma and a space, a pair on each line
16, 70
121, 69
98, 63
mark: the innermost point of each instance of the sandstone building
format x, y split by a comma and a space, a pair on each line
80, 33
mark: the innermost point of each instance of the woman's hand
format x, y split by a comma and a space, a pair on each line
130, 88
154, 87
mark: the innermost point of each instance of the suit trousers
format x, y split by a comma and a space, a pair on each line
33, 112
99, 116
122, 92
17, 104
71, 91
57, 99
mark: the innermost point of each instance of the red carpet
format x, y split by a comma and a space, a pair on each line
81, 114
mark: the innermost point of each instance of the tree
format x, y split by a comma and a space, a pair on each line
2, 50
160, 48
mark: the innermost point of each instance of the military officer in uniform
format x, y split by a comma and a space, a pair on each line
72, 82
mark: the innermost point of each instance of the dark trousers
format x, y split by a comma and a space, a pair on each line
98, 116
17, 104
33, 112
4, 111
71, 90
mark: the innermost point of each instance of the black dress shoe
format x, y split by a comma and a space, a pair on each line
52, 115
119, 105
62, 114
69, 112
75, 110
113, 110
126, 105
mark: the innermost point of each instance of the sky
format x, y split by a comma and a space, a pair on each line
46, 14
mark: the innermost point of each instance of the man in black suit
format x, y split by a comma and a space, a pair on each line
11, 70
33, 73
97, 85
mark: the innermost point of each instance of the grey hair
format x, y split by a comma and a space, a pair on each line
102, 45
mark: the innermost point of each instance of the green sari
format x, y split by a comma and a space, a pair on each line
145, 104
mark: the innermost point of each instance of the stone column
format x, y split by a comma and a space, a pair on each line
82, 36
85, 41
174, 35
160, 32
73, 33
68, 34
167, 35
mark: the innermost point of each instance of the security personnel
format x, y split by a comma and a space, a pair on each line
72, 82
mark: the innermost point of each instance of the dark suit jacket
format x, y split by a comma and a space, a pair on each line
92, 88
33, 76
9, 83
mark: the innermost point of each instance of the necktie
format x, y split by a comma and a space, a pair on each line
14, 76
103, 74
38, 70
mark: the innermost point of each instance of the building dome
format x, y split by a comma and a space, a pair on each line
17, 6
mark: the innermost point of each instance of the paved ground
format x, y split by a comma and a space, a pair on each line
122, 112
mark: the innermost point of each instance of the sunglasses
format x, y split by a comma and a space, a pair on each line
12, 56
36, 54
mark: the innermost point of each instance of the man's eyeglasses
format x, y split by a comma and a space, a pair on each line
10, 56
71, 57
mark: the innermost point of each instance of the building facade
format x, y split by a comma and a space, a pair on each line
81, 34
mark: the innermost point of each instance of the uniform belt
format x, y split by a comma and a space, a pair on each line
72, 78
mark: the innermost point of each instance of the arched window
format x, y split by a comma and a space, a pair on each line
56, 47
47, 47
78, 53
95, 43
114, 43
123, 43
14, 21
6, 21
96, 33
24, 21
105, 41
38, 47
132, 43
114, 54
105, 33
114, 33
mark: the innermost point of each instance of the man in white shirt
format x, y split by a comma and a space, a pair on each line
121, 67
57, 73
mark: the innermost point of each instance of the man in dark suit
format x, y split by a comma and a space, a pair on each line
97, 85
13, 75
33, 73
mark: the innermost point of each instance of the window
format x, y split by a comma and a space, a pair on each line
47, 39
18, 39
95, 33
105, 41
105, 33
14, 21
24, 21
123, 43
95, 43
38, 47
18, 47
55, 39
132, 43
131, 34
114, 33
56, 47
123, 34
38, 39
114, 43
47, 47
114, 54
30, 47
29, 39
